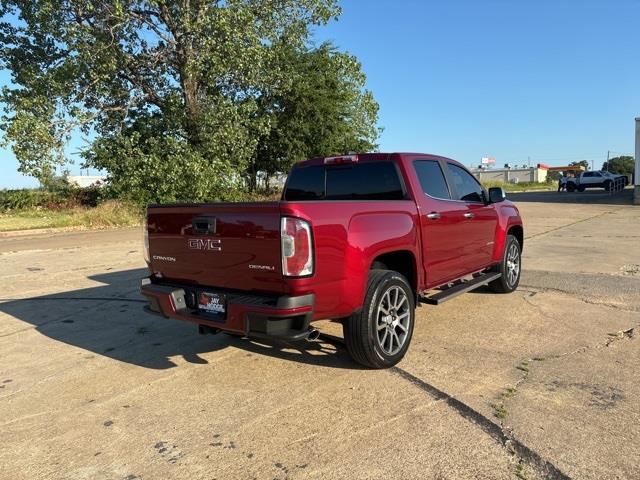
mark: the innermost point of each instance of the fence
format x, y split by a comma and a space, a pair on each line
618, 185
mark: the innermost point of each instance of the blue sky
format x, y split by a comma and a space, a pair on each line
555, 81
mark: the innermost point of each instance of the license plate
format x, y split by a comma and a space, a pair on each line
215, 303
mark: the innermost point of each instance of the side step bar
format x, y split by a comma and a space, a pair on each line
460, 288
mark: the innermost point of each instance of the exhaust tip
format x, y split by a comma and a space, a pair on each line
205, 330
313, 335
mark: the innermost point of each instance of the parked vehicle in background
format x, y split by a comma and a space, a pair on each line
361, 239
596, 179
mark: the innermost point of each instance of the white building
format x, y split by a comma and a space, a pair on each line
84, 181
512, 175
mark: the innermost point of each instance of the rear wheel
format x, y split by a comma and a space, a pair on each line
379, 335
510, 267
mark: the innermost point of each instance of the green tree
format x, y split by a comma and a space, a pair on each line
581, 163
174, 93
624, 165
553, 176
327, 111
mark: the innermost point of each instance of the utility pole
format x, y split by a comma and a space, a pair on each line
608, 152
636, 176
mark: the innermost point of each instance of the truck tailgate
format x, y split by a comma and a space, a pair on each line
225, 245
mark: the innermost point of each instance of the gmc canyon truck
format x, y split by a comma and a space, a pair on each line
361, 239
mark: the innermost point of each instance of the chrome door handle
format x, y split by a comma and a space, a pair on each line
433, 216
469, 215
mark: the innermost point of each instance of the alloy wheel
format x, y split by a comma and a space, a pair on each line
393, 317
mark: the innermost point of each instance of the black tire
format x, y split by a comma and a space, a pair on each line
581, 188
507, 283
571, 187
363, 330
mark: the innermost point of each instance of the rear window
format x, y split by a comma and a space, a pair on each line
305, 183
358, 181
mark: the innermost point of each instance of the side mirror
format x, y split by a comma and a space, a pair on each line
497, 195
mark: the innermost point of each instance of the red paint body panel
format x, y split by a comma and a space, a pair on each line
347, 238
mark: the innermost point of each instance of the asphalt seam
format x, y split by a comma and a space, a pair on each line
495, 431
536, 235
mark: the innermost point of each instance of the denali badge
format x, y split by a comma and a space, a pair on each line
205, 244
262, 267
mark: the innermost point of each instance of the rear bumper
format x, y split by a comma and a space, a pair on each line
252, 315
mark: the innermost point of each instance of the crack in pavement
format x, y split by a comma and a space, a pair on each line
495, 431
501, 432
581, 298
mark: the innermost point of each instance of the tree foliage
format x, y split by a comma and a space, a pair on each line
181, 99
581, 163
624, 165
326, 111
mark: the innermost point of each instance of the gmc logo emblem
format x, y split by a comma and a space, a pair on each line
205, 244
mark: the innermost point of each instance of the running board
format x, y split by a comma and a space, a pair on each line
460, 288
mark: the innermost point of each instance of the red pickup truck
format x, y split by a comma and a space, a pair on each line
361, 239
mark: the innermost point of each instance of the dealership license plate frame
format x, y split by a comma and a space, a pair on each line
213, 304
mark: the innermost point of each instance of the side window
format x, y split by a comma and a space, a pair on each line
467, 187
431, 178
587, 174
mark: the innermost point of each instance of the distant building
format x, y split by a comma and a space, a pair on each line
512, 174
84, 181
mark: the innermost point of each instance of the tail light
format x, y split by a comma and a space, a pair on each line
297, 247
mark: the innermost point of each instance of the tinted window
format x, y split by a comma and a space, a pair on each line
431, 178
467, 187
305, 183
364, 181
587, 174
358, 181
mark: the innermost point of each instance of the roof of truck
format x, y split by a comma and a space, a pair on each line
372, 156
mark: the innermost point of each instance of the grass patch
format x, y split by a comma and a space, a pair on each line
524, 366
508, 393
519, 187
499, 411
521, 473
106, 215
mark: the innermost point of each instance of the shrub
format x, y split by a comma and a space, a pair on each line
62, 198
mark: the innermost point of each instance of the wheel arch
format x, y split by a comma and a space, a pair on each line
401, 261
518, 232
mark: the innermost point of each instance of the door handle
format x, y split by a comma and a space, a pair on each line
469, 215
433, 216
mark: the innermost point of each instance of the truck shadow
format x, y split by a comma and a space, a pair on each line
595, 196
109, 320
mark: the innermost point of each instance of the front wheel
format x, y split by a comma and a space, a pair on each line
379, 335
510, 267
